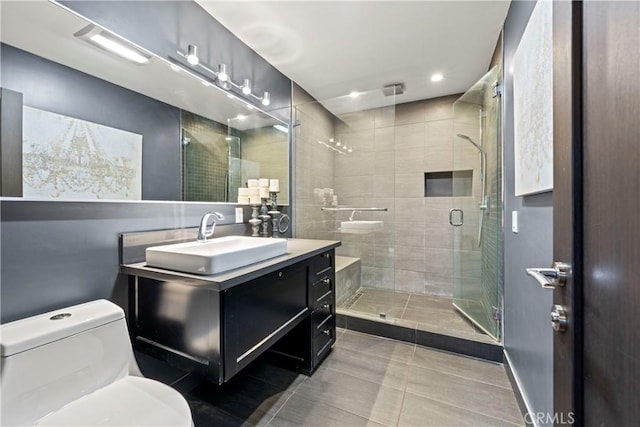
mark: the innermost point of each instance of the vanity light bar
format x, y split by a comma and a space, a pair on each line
103, 39
222, 76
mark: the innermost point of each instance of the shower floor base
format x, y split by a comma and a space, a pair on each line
420, 312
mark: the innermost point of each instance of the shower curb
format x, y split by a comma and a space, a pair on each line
480, 350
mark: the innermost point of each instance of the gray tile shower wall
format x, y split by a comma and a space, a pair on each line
392, 149
313, 166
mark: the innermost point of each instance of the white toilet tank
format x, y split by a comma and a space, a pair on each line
53, 359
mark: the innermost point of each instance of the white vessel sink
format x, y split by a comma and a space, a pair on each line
361, 226
215, 255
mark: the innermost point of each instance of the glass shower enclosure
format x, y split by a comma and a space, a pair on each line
477, 204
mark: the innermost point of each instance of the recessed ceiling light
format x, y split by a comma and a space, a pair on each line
338, 144
437, 77
354, 94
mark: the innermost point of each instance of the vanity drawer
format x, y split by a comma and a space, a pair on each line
320, 291
322, 265
321, 320
325, 301
322, 342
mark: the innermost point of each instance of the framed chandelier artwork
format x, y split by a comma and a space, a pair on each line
533, 104
68, 158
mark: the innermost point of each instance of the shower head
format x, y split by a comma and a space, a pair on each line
460, 135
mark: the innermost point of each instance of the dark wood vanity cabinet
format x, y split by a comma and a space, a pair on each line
192, 325
306, 354
258, 312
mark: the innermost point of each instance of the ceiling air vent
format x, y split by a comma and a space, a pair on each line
393, 89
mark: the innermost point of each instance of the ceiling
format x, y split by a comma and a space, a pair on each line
332, 48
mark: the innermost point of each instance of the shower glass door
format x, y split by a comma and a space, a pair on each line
477, 205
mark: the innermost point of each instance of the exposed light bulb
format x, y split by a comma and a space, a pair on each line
246, 87
338, 144
222, 73
266, 99
350, 150
437, 77
192, 55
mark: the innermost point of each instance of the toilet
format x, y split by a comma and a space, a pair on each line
75, 367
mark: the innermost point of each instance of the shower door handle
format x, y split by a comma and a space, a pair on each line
456, 224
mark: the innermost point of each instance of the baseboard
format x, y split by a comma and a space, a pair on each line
525, 408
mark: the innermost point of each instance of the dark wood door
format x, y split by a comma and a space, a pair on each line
611, 117
597, 211
567, 212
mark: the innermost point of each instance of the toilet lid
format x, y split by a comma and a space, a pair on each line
131, 401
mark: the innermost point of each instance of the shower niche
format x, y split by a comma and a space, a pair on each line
448, 183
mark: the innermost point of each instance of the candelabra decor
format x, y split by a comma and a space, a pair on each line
265, 217
274, 212
255, 221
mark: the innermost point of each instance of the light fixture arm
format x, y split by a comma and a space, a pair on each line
223, 77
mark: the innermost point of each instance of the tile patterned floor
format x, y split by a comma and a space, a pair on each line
417, 311
366, 380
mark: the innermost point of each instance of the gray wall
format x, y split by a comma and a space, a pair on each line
528, 338
81, 96
54, 254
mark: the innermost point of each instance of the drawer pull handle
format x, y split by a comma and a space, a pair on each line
326, 255
324, 296
327, 332
326, 280
325, 305
280, 274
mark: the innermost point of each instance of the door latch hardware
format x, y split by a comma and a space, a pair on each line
549, 278
559, 318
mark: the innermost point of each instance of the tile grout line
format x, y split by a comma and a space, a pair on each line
286, 400
406, 384
363, 380
404, 310
463, 408
462, 377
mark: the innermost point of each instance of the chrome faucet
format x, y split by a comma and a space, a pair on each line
204, 231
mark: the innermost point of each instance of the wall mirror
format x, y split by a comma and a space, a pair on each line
96, 126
